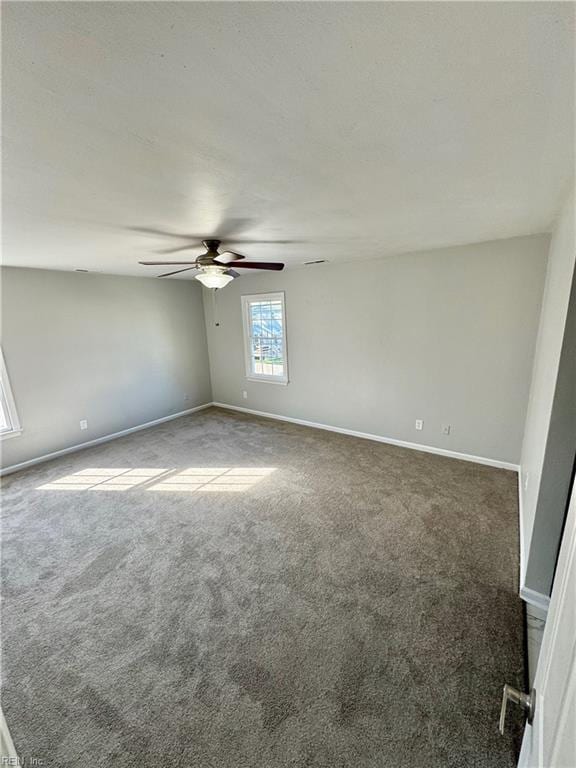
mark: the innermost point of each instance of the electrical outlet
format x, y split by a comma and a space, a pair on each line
446, 429
245, 394
83, 424
419, 424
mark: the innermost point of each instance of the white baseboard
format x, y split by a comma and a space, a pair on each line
377, 438
98, 440
315, 425
534, 598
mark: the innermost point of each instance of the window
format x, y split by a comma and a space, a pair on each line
9, 424
265, 337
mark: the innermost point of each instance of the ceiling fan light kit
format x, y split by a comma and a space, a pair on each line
213, 267
214, 277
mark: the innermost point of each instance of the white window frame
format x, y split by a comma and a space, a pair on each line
8, 405
246, 302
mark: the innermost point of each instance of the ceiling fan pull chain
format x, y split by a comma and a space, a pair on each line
214, 307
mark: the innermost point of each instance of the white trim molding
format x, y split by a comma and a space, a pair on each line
14, 427
378, 438
7, 749
534, 598
98, 440
530, 596
521, 527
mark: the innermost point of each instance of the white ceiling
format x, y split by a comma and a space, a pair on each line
356, 130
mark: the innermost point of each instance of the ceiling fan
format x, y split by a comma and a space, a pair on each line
212, 266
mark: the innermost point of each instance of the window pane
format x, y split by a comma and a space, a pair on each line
256, 355
4, 423
265, 322
278, 369
276, 351
267, 327
255, 315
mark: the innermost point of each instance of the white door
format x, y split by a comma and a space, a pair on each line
551, 740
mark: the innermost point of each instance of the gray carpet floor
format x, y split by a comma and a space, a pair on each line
223, 591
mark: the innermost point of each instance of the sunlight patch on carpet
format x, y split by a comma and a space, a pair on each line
211, 479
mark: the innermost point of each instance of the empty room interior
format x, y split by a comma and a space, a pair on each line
288, 385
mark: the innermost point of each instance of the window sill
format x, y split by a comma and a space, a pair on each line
12, 433
264, 380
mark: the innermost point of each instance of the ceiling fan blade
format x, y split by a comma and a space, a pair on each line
165, 263
256, 241
260, 265
163, 233
232, 272
180, 248
224, 229
177, 272
228, 256
228, 227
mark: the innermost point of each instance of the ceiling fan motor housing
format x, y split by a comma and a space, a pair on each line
211, 252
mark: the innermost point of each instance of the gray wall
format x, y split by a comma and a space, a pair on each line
118, 351
547, 451
446, 336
